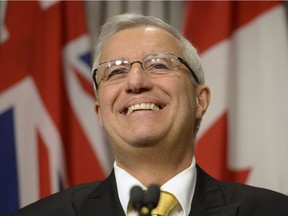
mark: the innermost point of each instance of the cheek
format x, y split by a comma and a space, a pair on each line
107, 99
187, 95
104, 114
184, 86
180, 88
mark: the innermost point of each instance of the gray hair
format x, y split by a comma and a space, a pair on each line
130, 20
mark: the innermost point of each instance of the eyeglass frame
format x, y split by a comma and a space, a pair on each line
181, 60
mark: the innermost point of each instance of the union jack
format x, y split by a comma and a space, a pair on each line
50, 138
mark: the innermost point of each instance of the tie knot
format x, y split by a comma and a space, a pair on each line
166, 203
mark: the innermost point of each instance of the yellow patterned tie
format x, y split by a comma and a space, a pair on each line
166, 203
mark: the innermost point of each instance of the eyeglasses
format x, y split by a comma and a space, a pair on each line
156, 65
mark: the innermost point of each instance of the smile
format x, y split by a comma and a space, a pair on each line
142, 106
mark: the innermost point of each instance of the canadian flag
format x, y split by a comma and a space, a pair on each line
244, 50
49, 135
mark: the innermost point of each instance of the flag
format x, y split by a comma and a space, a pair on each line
244, 50
49, 135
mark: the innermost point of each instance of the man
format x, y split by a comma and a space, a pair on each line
150, 99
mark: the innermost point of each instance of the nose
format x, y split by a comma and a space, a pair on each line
137, 80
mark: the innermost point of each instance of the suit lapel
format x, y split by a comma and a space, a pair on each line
208, 198
103, 201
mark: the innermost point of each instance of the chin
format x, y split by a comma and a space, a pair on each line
143, 141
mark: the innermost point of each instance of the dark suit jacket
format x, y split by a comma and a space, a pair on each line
211, 198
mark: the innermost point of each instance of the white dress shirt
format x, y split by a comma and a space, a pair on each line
182, 186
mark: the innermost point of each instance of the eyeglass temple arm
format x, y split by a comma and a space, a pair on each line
187, 65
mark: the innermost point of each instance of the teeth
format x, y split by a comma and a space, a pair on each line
142, 106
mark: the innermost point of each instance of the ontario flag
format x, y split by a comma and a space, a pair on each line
244, 49
49, 135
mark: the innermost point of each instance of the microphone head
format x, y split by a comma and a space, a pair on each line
137, 197
152, 196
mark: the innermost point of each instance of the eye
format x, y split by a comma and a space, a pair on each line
113, 72
158, 64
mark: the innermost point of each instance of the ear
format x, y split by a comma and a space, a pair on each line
202, 100
98, 112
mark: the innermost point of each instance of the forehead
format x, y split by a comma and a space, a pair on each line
138, 42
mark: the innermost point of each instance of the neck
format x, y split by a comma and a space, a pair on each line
151, 167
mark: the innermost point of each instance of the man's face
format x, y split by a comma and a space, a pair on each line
173, 95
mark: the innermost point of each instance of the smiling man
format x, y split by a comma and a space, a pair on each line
150, 99
147, 102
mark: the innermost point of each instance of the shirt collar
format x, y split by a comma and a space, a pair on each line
185, 182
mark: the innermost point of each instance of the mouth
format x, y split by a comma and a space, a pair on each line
141, 106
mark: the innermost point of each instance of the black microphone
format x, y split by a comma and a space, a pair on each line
152, 196
137, 198
141, 201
